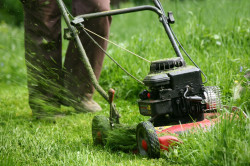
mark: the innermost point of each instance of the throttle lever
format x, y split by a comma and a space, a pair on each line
170, 17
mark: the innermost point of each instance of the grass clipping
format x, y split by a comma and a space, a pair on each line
122, 137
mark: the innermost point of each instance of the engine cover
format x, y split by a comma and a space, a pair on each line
171, 94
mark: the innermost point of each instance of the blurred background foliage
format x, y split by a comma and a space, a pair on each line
11, 11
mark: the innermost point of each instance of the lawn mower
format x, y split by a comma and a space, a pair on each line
174, 98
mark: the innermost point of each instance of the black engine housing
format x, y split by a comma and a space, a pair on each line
176, 93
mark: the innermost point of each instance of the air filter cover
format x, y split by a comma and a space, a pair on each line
166, 64
156, 79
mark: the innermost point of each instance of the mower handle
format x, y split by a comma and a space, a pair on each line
120, 11
158, 9
114, 113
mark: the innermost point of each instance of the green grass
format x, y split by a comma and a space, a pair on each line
215, 34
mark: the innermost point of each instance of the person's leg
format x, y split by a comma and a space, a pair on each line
77, 79
43, 54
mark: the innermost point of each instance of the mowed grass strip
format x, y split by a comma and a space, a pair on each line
61, 141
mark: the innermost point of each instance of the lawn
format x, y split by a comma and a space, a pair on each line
216, 34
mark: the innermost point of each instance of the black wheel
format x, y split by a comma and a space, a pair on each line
147, 140
100, 129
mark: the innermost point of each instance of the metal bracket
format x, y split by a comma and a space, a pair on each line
68, 35
170, 17
192, 98
77, 20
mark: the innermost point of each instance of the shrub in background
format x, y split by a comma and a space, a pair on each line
11, 12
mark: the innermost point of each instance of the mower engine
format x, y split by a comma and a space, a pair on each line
176, 93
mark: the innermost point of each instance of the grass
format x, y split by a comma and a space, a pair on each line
216, 35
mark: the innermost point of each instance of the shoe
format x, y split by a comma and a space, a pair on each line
80, 104
87, 105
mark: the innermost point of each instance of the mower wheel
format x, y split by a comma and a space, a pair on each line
147, 140
100, 129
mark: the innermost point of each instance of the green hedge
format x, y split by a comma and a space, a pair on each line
11, 12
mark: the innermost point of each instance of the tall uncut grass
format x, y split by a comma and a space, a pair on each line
216, 34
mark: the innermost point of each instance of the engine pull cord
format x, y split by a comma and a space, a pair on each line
85, 29
134, 53
111, 57
117, 45
72, 17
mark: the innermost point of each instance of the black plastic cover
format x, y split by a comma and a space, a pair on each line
185, 76
155, 107
156, 80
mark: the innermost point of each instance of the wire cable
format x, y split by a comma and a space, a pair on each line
85, 30
188, 55
107, 39
117, 45
111, 57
